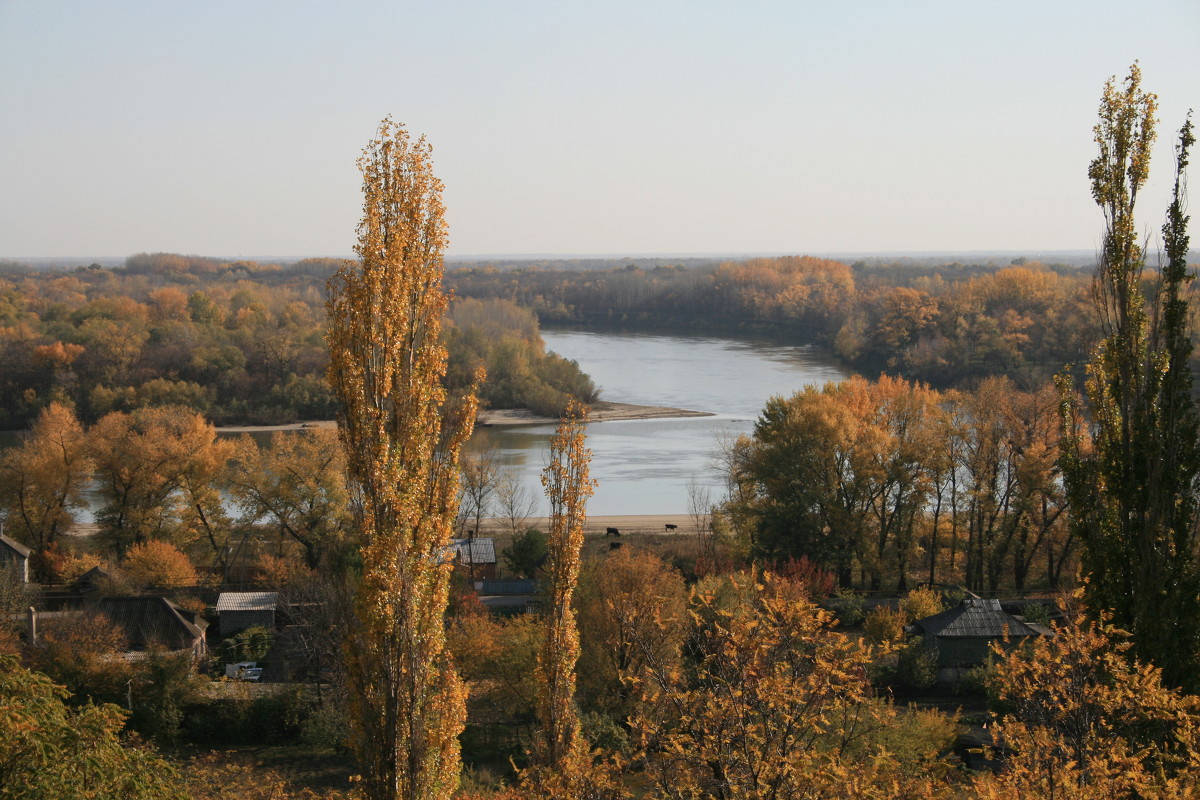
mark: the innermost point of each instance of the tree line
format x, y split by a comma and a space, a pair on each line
889, 482
241, 342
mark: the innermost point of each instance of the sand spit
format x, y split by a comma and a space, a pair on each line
602, 411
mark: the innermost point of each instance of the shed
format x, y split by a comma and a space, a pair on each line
237, 611
963, 635
14, 555
477, 554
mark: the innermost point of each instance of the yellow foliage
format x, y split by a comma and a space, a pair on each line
1087, 721
158, 565
921, 603
884, 625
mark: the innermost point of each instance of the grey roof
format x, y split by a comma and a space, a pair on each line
474, 551
149, 620
15, 546
975, 618
247, 601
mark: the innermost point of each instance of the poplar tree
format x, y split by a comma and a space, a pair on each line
1131, 473
568, 486
402, 445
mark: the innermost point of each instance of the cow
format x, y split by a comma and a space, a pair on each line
670, 527
612, 532
614, 545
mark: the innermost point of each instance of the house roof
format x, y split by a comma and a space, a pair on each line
247, 601
151, 620
479, 550
18, 548
974, 618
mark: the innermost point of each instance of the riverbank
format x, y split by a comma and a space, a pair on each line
601, 411
598, 525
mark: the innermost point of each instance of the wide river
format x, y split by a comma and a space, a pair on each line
646, 466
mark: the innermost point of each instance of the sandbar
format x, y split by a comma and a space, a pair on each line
601, 411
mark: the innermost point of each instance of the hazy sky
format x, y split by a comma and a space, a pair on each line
232, 128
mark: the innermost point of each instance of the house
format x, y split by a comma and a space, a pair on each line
963, 636
154, 621
477, 555
237, 611
15, 556
94, 581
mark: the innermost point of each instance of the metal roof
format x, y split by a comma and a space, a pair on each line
247, 601
975, 618
474, 551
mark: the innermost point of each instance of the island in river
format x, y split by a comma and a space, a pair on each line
601, 411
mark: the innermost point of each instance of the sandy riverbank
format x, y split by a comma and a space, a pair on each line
597, 525
602, 411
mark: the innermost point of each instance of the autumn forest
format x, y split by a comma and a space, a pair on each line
1017, 454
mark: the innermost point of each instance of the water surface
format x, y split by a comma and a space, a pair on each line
645, 466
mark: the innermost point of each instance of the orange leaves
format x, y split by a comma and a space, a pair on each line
402, 437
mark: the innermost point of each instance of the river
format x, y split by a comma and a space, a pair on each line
646, 466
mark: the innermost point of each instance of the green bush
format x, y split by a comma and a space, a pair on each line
1037, 613
252, 644
847, 606
916, 666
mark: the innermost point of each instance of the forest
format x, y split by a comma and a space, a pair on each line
239, 342
1025, 422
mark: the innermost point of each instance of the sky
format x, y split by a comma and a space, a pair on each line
667, 127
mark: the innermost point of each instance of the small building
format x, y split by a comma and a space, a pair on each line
15, 556
96, 580
478, 555
963, 636
155, 622
237, 611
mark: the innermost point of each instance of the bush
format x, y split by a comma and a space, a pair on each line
921, 603
326, 726
847, 606
883, 625
252, 644
917, 667
1037, 613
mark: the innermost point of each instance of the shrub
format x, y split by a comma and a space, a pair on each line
883, 625
847, 606
916, 667
921, 603
1037, 613
252, 644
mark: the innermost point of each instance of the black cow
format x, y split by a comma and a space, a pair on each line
611, 532
671, 527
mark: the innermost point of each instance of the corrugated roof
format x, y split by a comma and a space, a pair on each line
975, 618
474, 551
247, 601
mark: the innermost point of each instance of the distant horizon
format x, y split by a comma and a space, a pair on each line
113, 260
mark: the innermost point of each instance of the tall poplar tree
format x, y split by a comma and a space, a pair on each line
402, 445
1132, 473
568, 486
